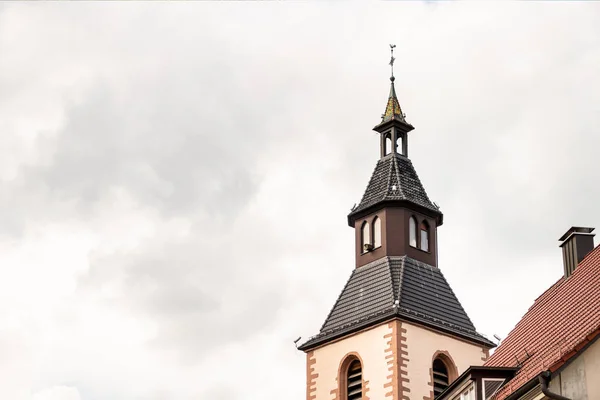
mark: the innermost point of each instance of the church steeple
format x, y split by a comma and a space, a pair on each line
397, 330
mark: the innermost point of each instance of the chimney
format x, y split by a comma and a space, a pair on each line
577, 242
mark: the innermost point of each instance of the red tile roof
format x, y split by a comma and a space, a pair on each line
556, 326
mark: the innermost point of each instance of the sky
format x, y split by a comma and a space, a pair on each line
175, 177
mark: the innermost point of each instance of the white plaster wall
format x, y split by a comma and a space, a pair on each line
422, 345
580, 380
572, 380
370, 345
592, 370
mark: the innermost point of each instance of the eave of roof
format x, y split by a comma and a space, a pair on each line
564, 361
555, 368
508, 371
318, 340
579, 348
396, 287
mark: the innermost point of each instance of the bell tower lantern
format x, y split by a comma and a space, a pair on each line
395, 216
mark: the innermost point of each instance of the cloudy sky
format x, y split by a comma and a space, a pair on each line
175, 178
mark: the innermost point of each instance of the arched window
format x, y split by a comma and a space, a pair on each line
441, 379
388, 144
354, 381
400, 145
376, 232
412, 231
424, 236
366, 237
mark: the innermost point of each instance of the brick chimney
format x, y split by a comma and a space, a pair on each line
577, 242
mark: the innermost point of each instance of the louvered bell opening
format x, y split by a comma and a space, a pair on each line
354, 380
440, 377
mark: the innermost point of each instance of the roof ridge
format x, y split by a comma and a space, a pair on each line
402, 261
421, 183
389, 180
432, 268
395, 168
390, 270
458, 301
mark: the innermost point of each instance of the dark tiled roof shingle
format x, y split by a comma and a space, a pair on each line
394, 178
397, 287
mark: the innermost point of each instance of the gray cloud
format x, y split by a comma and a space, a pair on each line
201, 292
175, 179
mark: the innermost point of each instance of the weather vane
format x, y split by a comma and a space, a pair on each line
392, 59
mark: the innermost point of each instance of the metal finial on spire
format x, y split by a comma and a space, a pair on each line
392, 110
392, 61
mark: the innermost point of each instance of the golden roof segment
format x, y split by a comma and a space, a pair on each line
392, 109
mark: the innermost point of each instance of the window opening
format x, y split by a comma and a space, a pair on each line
354, 380
490, 387
468, 394
412, 232
366, 237
424, 236
440, 377
376, 232
388, 144
400, 145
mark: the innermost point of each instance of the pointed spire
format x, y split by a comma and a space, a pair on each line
392, 109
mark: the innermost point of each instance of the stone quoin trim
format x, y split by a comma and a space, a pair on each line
365, 390
391, 352
396, 363
450, 366
403, 365
486, 354
311, 376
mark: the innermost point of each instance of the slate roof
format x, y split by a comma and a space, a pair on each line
558, 325
397, 287
394, 178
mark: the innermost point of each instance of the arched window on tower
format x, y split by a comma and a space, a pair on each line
366, 237
412, 231
441, 378
354, 381
424, 236
400, 145
388, 144
376, 232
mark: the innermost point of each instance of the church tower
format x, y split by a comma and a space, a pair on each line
396, 331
